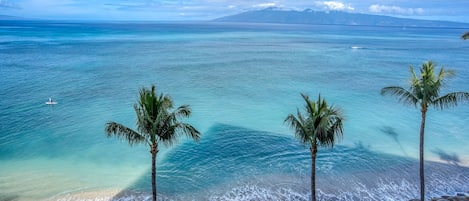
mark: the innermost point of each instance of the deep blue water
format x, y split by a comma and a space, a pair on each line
241, 81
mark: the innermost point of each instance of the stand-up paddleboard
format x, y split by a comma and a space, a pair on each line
356, 47
51, 102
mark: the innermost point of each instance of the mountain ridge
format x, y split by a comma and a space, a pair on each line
309, 16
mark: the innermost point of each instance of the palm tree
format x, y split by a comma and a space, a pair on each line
424, 91
321, 125
155, 123
465, 36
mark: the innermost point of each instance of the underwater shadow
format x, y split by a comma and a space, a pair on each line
9, 197
225, 154
230, 157
391, 132
452, 159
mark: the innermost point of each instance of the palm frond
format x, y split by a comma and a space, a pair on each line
188, 130
465, 36
301, 132
310, 105
331, 126
402, 94
143, 124
451, 100
446, 74
414, 78
168, 135
183, 111
170, 128
336, 130
123, 132
166, 101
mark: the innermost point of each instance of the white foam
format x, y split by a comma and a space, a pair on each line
254, 192
383, 190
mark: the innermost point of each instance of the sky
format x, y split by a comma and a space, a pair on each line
163, 10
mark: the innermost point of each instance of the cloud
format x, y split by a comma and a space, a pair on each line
265, 5
334, 5
149, 5
7, 4
376, 8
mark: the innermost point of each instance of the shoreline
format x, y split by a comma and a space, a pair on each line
95, 195
118, 195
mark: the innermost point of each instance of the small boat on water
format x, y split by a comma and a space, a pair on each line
51, 102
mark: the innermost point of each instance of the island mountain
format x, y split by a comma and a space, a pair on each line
308, 16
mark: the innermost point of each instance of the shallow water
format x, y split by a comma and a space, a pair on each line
241, 81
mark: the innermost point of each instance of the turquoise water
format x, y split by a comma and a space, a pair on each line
241, 81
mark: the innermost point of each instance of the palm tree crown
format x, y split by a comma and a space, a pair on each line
155, 122
425, 90
322, 124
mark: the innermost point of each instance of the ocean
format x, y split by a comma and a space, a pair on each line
241, 81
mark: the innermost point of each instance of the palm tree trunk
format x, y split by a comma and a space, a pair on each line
422, 175
314, 151
154, 151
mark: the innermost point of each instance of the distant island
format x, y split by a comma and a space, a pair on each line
308, 16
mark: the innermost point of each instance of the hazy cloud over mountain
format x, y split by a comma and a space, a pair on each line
334, 5
383, 9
